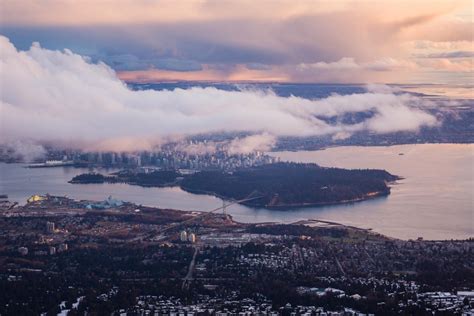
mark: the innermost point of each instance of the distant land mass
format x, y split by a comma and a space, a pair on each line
455, 119
279, 185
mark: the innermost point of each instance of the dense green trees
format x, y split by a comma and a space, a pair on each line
291, 184
279, 185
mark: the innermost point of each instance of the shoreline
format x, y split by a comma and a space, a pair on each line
281, 207
300, 185
367, 146
395, 216
194, 214
276, 150
288, 206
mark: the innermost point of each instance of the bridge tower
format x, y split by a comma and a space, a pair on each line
224, 208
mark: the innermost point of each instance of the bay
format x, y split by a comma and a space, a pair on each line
434, 200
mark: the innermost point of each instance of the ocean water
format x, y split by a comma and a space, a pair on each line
433, 201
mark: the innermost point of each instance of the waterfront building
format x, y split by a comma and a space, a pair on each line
35, 198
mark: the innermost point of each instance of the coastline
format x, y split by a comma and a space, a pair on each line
295, 205
426, 169
54, 206
37, 209
281, 207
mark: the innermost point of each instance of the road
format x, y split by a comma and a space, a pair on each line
189, 276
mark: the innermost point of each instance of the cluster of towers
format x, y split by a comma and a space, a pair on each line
50, 227
185, 236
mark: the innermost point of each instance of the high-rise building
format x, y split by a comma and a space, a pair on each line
192, 238
52, 250
50, 227
62, 247
183, 236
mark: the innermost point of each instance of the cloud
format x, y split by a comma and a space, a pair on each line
347, 67
344, 63
270, 38
128, 62
177, 64
349, 64
106, 12
261, 142
237, 145
257, 66
446, 64
63, 98
454, 54
268, 32
198, 148
210, 72
247, 40
23, 150
425, 45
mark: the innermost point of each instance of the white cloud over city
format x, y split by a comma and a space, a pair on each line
62, 97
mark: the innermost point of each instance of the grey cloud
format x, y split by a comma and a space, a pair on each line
125, 62
300, 39
61, 97
132, 62
177, 64
258, 66
454, 54
23, 150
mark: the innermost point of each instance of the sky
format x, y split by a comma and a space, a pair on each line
416, 41
64, 66
64, 99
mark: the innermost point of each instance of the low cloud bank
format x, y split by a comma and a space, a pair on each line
61, 98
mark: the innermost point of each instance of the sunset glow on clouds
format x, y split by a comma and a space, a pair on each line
63, 98
287, 41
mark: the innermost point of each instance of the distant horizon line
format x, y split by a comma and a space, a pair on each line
293, 82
